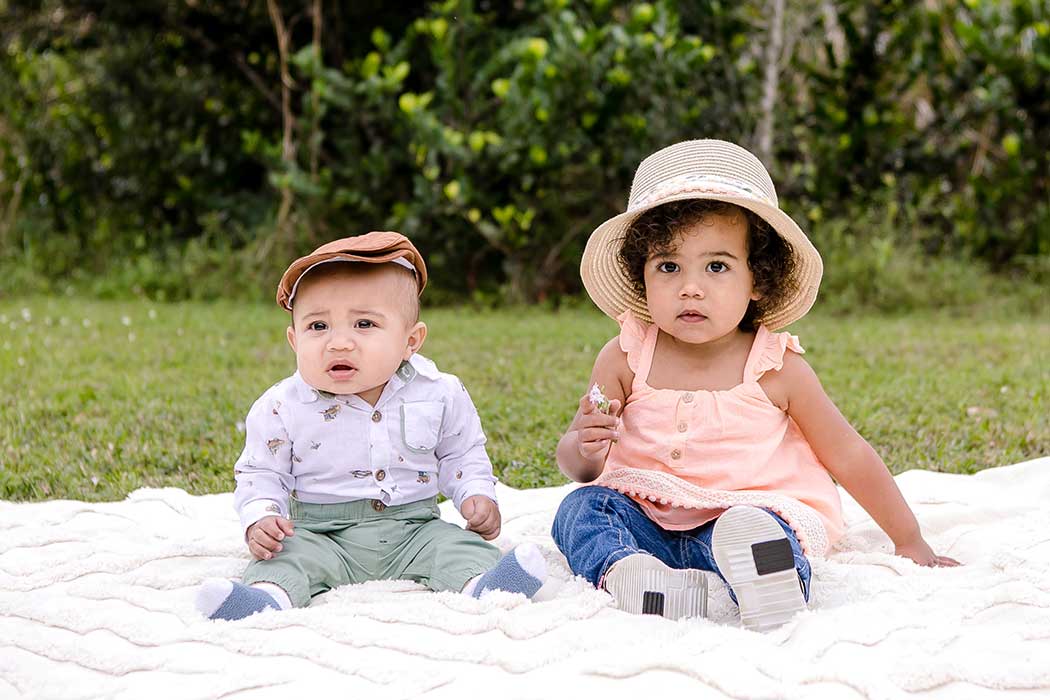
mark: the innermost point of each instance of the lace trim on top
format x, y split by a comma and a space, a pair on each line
669, 489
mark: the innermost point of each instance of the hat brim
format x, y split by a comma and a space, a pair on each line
611, 290
374, 247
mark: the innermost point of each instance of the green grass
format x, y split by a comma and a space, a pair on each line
100, 398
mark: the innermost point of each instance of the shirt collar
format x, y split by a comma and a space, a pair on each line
303, 391
422, 366
409, 369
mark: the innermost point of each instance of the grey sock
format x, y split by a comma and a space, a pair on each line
521, 571
239, 602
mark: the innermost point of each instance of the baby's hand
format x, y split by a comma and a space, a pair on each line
595, 428
264, 536
482, 516
922, 554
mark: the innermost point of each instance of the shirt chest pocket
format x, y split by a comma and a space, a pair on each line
421, 425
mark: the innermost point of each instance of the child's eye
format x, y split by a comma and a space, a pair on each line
667, 267
318, 326
717, 266
364, 323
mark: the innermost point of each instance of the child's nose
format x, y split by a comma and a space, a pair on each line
341, 340
691, 289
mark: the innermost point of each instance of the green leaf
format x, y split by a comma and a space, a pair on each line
370, 66
536, 48
380, 39
500, 87
538, 154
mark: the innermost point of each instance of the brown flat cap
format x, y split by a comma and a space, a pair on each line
374, 247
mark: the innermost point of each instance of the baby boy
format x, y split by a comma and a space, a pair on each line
343, 461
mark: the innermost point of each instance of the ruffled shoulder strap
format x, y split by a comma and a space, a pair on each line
767, 352
632, 339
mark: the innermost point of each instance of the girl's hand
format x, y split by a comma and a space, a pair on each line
595, 430
264, 536
921, 553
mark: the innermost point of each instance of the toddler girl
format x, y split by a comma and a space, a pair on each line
723, 456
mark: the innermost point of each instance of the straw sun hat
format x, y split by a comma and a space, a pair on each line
704, 169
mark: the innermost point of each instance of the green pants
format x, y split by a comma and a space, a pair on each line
339, 543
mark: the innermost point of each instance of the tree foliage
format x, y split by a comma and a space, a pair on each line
141, 144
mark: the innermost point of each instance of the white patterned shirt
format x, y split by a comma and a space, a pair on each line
422, 436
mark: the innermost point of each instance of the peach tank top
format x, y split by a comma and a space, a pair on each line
686, 456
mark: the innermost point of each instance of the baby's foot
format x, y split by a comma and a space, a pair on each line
756, 560
641, 583
220, 599
521, 571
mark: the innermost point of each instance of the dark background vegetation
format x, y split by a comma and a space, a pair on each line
189, 149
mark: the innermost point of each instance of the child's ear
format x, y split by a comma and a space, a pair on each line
416, 336
291, 337
756, 294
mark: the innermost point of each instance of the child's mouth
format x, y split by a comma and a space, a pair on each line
692, 317
340, 371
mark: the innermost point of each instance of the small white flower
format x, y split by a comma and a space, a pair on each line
240, 426
125, 320
26, 315
21, 362
94, 481
152, 313
598, 399
86, 322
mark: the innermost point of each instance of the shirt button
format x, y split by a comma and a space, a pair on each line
380, 475
378, 506
682, 426
377, 416
687, 397
676, 454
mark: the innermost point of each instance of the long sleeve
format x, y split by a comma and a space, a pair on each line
263, 471
464, 468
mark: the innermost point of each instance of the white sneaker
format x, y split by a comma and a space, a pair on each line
755, 557
641, 583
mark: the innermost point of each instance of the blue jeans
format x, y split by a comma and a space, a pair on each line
596, 527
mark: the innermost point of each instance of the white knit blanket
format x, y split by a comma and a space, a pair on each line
96, 601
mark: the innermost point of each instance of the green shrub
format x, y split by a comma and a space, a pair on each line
141, 143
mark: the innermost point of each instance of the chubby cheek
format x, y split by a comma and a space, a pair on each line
656, 298
308, 355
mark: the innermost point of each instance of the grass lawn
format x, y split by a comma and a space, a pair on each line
100, 398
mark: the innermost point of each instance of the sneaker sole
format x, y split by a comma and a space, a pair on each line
756, 560
642, 584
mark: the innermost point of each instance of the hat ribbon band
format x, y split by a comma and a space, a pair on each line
706, 184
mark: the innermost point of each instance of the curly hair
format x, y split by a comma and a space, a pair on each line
770, 258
